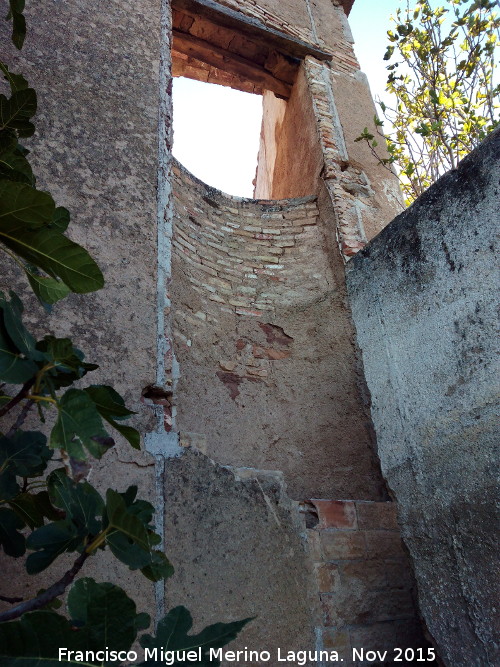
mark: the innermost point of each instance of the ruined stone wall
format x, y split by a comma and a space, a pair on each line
314, 21
239, 549
263, 372
264, 342
365, 195
424, 299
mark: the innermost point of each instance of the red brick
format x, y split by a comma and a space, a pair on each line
336, 513
276, 355
372, 516
370, 574
342, 545
383, 544
352, 247
258, 352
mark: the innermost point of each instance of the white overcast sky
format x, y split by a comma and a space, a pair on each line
217, 129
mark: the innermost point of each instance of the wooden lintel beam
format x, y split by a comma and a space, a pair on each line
252, 27
230, 62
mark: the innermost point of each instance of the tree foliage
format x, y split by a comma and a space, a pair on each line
44, 516
441, 76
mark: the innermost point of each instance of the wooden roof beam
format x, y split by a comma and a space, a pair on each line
252, 27
229, 62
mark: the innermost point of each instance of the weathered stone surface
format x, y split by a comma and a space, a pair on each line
234, 540
423, 295
269, 375
95, 150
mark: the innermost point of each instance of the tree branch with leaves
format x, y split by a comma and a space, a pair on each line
442, 79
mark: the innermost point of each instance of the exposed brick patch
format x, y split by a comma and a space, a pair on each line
232, 382
154, 395
336, 513
275, 334
251, 361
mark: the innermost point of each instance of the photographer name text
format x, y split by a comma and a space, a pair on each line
300, 658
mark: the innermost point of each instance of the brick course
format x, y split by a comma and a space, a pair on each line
363, 576
243, 253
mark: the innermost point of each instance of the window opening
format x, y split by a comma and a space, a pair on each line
213, 44
217, 134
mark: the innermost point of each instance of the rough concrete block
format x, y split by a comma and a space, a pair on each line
424, 297
234, 542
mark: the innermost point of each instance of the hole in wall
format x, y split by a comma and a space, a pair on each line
217, 134
310, 514
157, 395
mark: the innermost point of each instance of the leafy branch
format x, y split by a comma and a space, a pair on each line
47, 596
442, 81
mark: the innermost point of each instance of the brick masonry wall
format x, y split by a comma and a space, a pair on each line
363, 575
263, 12
263, 337
365, 196
320, 23
351, 192
246, 255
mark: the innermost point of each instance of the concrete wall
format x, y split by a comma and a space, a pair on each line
423, 295
95, 150
239, 549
